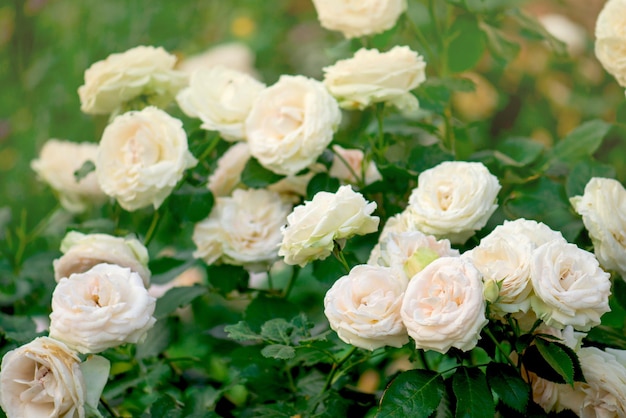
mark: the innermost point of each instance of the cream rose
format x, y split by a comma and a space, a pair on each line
364, 308
443, 306
235, 55
349, 165
610, 45
356, 18
603, 208
227, 174
221, 98
371, 76
57, 162
573, 35
409, 252
243, 229
144, 72
453, 200
101, 308
83, 251
605, 390
503, 257
42, 379
141, 157
291, 123
569, 286
313, 228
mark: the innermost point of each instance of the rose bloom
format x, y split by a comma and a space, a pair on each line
42, 379
349, 162
57, 162
611, 39
83, 251
141, 157
565, 30
291, 123
569, 286
243, 229
603, 208
143, 72
355, 18
101, 308
409, 252
454, 199
227, 175
221, 98
313, 228
235, 55
443, 306
371, 76
605, 390
503, 257
364, 308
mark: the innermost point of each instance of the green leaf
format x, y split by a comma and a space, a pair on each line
414, 393
581, 142
433, 95
157, 340
226, 278
176, 298
191, 204
87, 167
466, 44
583, 172
328, 271
277, 330
524, 151
279, 351
619, 292
506, 382
553, 361
473, 396
321, 182
95, 372
423, 158
544, 201
256, 176
21, 329
241, 332
166, 407
500, 46
165, 269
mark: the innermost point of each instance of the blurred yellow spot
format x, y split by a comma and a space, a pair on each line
8, 159
7, 25
369, 381
242, 26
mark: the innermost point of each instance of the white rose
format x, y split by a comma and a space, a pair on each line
503, 257
221, 98
291, 123
243, 229
234, 55
42, 379
409, 252
101, 308
348, 165
605, 390
454, 199
57, 162
227, 174
371, 76
313, 228
364, 308
400, 222
603, 208
141, 157
570, 287
143, 72
83, 251
610, 39
443, 306
356, 18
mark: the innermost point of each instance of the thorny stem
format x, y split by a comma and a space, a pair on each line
336, 367
341, 258
292, 280
106, 406
500, 347
156, 219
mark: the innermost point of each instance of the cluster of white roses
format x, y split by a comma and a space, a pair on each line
100, 301
430, 292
